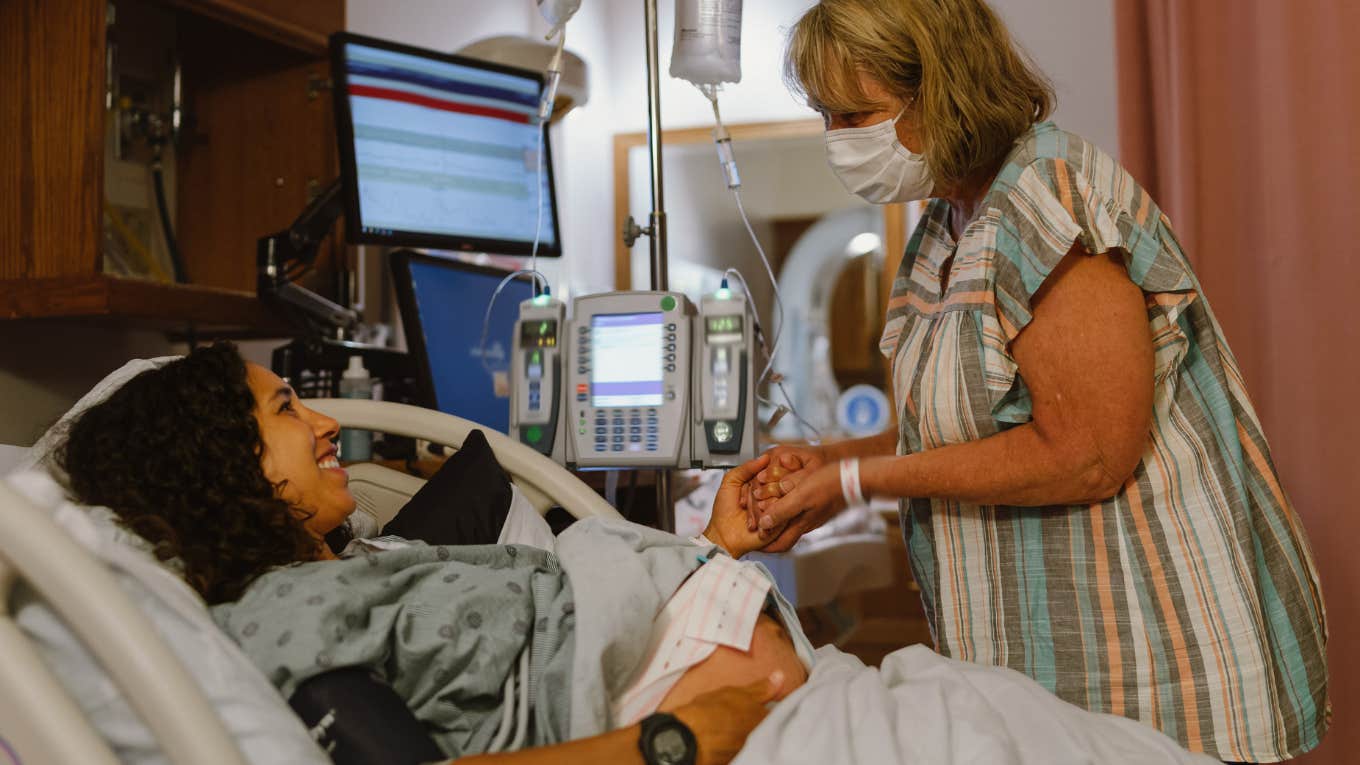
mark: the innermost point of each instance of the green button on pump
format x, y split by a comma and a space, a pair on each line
667, 303
533, 433
722, 432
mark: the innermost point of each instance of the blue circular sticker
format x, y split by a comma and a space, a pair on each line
863, 410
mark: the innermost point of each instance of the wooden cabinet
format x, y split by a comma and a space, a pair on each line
257, 139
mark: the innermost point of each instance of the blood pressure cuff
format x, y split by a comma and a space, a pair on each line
356, 718
464, 503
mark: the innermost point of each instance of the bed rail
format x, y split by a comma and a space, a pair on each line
543, 481
39, 721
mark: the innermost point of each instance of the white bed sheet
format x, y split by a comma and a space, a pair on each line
920, 707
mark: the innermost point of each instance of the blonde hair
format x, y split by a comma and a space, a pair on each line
973, 91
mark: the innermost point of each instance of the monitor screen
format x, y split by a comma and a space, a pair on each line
441, 151
626, 356
442, 304
541, 333
723, 326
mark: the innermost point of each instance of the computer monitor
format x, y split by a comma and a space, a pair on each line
441, 151
442, 303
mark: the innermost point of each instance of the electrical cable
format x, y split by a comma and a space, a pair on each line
723, 140
486, 317
776, 378
171, 244
761, 335
545, 109
816, 433
627, 510
774, 284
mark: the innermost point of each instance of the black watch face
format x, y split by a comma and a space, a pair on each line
668, 746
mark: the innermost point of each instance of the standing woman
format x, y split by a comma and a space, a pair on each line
1087, 496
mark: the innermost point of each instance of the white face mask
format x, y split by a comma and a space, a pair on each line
873, 164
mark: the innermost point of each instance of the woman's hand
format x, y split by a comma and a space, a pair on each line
787, 467
722, 719
728, 527
813, 499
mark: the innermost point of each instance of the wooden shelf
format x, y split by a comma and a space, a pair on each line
304, 25
255, 139
139, 303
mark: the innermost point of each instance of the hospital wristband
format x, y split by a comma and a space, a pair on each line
703, 541
851, 489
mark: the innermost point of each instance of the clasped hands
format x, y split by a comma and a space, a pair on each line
771, 501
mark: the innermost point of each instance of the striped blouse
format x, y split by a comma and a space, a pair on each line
1190, 599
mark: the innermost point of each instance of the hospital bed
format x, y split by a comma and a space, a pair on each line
919, 707
42, 723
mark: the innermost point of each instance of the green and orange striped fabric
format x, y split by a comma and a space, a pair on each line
1190, 600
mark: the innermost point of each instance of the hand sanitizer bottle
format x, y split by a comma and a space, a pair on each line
356, 445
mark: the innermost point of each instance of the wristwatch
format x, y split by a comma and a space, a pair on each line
666, 741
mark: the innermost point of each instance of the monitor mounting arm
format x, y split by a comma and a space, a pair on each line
283, 256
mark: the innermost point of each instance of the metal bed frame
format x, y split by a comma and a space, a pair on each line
43, 723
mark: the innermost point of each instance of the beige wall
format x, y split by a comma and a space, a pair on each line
1071, 40
46, 366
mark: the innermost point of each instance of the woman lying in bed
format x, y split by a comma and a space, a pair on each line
236, 482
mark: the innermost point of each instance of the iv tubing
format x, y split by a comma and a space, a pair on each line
545, 114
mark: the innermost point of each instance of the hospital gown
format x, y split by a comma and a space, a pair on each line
446, 626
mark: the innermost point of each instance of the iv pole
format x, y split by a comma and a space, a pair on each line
665, 513
657, 219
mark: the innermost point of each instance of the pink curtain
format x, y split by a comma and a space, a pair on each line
1242, 117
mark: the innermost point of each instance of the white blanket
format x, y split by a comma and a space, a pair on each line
920, 707
264, 727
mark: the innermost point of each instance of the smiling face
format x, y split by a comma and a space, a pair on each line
299, 456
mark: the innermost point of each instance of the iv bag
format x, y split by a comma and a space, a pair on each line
558, 13
707, 41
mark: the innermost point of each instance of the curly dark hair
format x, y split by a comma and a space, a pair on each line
175, 453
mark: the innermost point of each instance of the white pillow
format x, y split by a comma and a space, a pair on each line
11, 456
264, 727
524, 526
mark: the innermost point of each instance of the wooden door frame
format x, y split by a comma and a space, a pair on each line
894, 216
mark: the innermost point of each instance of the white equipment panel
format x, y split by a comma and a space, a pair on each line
636, 380
536, 371
724, 384
629, 380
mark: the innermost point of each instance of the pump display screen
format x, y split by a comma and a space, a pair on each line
626, 353
539, 333
723, 325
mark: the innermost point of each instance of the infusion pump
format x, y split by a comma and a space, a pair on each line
636, 379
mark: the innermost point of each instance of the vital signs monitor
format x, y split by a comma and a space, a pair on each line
441, 151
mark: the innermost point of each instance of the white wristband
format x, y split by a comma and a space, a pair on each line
850, 486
